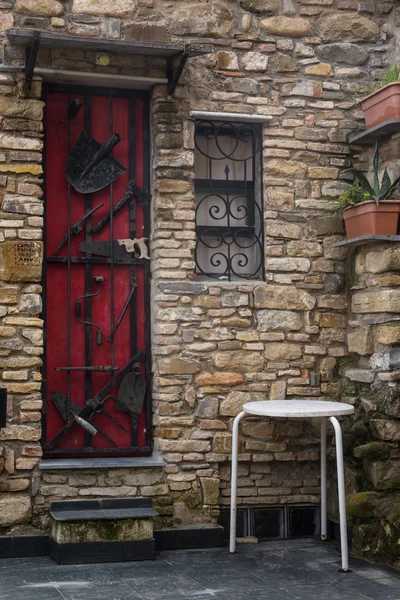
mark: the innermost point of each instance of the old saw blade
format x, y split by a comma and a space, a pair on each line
103, 248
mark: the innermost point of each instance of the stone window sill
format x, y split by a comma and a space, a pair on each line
141, 462
212, 282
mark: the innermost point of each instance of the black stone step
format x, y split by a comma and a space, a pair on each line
102, 510
102, 552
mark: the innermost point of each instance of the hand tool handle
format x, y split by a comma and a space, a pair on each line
125, 198
99, 337
91, 404
101, 368
86, 426
78, 309
101, 153
121, 316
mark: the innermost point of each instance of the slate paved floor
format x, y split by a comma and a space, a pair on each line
279, 570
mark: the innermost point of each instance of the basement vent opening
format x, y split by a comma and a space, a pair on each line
273, 523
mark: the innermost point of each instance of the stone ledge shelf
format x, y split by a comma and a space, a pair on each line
227, 116
103, 510
377, 133
101, 463
367, 239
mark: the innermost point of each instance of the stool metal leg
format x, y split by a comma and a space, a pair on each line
324, 520
341, 491
235, 447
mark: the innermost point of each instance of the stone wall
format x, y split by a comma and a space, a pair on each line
370, 380
215, 345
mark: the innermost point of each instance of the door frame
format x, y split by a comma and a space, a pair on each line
132, 95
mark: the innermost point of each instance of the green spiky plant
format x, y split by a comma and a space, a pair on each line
362, 191
391, 75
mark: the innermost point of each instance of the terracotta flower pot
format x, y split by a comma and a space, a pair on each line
382, 105
368, 218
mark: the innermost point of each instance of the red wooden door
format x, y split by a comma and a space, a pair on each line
69, 275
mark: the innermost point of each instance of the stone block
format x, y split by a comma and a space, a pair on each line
20, 432
286, 26
282, 229
282, 63
178, 366
283, 297
321, 69
14, 508
334, 320
304, 248
277, 390
280, 198
207, 408
210, 490
310, 89
6, 21
211, 379
346, 53
118, 8
241, 361
196, 20
388, 334
261, 429
361, 375
323, 172
282, 352
384, 260
286, 168
361, 341
255, 61
278, 320
379, 301
347, 27
8, 295
101, 531
27, 109
383, 474
373, 451
38, 8
385, 429
22, 261
327, 368
232, 405
362, 505
386, 361
268, 7
288, 264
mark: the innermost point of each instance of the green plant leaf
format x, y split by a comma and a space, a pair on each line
386, 183
376, 163
386, 194
362, 180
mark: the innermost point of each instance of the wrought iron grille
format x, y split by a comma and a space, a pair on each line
91, 283
229, 213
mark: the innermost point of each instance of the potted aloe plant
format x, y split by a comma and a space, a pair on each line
383, 103
367, 209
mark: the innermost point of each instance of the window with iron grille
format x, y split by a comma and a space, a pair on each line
229, 208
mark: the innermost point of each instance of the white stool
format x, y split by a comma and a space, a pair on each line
299, 409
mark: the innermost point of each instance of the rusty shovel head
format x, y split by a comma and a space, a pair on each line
91, 165
131, 394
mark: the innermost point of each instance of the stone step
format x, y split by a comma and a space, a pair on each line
109, 509
108, 530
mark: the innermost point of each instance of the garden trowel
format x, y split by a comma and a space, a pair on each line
91, 165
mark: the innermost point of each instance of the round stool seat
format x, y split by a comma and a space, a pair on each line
297, 408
